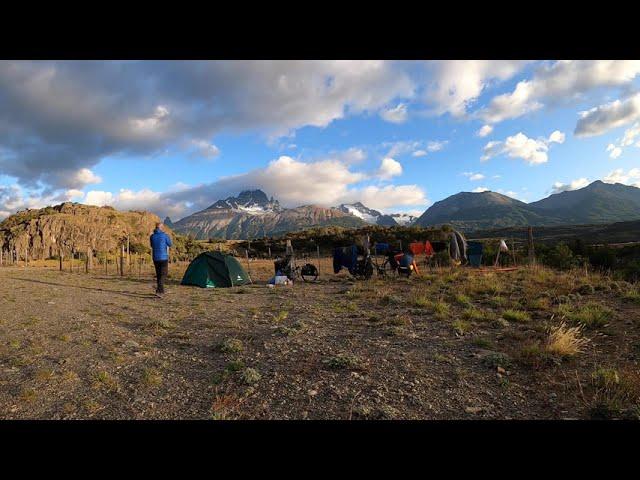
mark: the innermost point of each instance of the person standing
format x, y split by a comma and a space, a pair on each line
160, 243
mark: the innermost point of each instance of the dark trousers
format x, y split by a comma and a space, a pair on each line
162, 270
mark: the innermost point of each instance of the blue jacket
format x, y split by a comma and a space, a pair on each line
160, 241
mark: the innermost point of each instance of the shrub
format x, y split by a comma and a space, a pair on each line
560, 257
231, 345
496, 359
251, 376
342, 361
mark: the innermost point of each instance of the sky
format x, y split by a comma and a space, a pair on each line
173, 137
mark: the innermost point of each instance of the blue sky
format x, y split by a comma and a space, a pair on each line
173, 137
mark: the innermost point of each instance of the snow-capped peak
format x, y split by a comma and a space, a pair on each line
254, 202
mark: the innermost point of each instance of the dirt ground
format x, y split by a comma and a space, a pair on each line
449, 344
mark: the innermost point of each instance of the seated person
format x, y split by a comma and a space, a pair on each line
407, 263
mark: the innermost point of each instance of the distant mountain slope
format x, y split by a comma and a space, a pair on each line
470, 211
596, 203
252, 215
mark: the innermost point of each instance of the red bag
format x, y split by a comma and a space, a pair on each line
416, 248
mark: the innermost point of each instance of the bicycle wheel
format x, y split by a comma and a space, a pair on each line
309, 273
387, 268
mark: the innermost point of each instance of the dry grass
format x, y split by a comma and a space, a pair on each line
566, 341
109, 349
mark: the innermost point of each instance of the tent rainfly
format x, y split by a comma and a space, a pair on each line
215, 270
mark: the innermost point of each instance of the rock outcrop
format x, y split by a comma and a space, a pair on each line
72, 227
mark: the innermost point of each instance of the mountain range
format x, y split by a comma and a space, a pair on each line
252, 214
596, 203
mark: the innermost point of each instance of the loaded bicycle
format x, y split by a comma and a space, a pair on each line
287, 266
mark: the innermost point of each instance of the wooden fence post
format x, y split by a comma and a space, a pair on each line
248, 266
122, 260
60, 257
532, 255
318, 252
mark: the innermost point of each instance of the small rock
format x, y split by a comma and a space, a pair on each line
501, 370
473, 409
131, 344
312, 393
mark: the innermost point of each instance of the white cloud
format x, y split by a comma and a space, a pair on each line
397, 114
205, 149
480, 189
534, 152
389, 196
99, 198
153, 122
615, 152
417, 148
436, 145
84, 176
457, 84
484, 131
473, 176
627, 139
389, 168
556, 137
352, 156
632, 177
606, 117
630, 135
561, 81
573, 185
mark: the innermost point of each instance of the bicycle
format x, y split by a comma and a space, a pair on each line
287, 266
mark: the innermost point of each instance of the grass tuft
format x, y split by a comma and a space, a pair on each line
516, 316
566, 341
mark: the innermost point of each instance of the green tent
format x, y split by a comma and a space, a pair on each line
215, 270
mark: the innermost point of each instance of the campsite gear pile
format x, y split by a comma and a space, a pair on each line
357, 261
215, 270
287, 267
